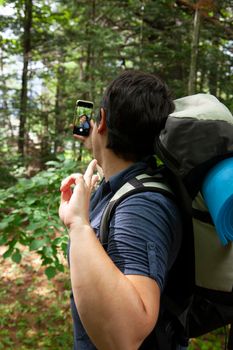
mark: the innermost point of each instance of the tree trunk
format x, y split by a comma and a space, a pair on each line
194, 53
26, 58
213, 79
90, 60
93, 16
5, 121
45, 146
59, 119
201, 82
90, 63
141, 35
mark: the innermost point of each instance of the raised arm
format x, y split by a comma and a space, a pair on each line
117, 311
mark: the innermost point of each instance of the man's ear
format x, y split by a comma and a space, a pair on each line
102, 126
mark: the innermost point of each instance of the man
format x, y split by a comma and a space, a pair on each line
83, 123
116, 292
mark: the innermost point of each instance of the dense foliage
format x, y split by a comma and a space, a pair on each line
54, 52
29, 216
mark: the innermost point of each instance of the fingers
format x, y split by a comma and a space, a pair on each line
75, 194
66, 195
79, 137
67, 182
89, 178
89, 172
94, 180
92, 123
86, 140
80, 186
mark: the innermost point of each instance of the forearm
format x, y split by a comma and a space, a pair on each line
109, 305
117, 311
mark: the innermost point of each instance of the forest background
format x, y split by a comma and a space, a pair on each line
51, 54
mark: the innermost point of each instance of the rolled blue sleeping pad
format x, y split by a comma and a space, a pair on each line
217, 190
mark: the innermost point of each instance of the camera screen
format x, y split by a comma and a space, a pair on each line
83, 114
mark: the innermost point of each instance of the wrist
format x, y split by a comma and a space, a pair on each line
78, 226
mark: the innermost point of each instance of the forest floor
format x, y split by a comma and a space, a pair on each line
34, 311
35, 314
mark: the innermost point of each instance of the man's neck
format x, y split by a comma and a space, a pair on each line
112, 164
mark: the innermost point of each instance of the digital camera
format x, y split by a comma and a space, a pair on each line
82, 116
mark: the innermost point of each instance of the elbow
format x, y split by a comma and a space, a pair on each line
144, 331
132, 336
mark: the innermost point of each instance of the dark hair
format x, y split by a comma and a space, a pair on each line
137, 105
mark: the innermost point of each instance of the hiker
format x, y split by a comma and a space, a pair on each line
117, 288
83, 121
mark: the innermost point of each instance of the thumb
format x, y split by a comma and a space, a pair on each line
66, 195
78, 190
94, 180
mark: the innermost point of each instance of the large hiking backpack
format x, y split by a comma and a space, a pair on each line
198, 297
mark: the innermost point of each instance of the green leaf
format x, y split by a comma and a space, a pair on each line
3, 240
8, 253
60, 267
47, 251
37, 244
41, 182
57, 240
46, 261
16, 257
3, 225
64, 248
33, 226
6, 221
70, 65
31, 200
50, 272
53, 162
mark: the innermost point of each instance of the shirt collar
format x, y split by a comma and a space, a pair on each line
117, 180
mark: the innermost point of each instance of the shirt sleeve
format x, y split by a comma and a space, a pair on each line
145, 235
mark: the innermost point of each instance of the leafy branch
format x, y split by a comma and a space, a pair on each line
29, 217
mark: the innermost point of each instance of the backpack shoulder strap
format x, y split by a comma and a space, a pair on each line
140, 183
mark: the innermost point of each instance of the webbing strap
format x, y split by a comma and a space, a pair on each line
141, 183
203, 216
230, 338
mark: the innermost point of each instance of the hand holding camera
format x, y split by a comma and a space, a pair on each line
82, 118
83, 123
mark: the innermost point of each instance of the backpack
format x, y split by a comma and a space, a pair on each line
198, 297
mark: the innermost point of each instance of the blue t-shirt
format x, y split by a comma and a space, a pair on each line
144, 236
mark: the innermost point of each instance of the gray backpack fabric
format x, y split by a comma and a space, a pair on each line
199, 293
196, 137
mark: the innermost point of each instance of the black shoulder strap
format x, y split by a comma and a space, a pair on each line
140, 183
